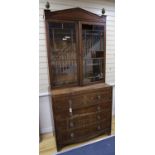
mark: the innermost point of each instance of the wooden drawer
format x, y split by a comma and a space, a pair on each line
84, 133
65, 113
82, 100
101, 95
60, 103
87, 120
84, 120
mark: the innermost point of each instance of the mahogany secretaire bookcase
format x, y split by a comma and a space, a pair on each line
81, 101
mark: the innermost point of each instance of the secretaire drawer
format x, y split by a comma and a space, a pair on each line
75, 102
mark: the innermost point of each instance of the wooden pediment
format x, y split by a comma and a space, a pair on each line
74, 14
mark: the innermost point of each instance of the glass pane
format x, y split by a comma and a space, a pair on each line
93, 53
93, 70
63, 53
93, 41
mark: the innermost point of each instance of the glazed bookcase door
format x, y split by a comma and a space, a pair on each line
93, 53
63, 54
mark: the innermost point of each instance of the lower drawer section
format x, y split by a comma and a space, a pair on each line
82, 114
82, 134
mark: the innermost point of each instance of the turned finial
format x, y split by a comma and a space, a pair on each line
103, 11
47, 5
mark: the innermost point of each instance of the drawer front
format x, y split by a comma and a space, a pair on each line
83, 133
60, 103
83, 121
102, 95
83, 100
88, 120
71, 113
92, 98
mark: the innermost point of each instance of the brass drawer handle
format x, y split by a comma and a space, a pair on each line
72, 135
70, 110
70, 107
